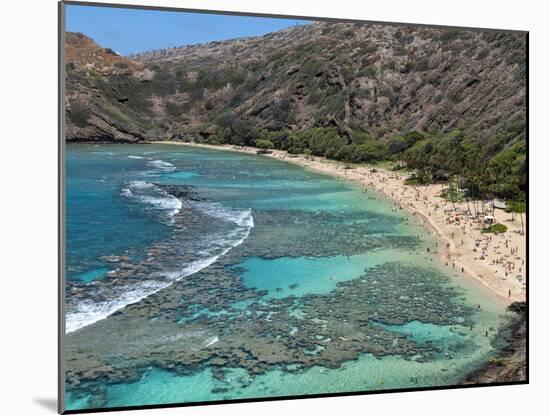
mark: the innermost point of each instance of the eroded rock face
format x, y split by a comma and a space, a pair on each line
383, 79
510, 362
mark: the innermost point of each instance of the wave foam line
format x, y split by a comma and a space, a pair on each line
90, 312
160, 199
162, 165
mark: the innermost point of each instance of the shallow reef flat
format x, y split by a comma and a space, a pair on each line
313, 292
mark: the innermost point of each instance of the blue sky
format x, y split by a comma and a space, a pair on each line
130, 31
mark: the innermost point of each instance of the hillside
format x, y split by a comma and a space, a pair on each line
351, 84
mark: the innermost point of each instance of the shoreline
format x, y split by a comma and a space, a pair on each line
494, 268
509, 364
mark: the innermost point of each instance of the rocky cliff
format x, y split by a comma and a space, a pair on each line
510, 362
361, 79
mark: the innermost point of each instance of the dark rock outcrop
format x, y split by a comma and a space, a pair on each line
510, 363
182, 192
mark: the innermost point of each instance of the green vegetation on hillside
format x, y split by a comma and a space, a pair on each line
492, 168
447, 104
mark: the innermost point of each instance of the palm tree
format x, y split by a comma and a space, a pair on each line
519, 208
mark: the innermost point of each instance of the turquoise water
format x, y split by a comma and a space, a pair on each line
311, 267
93, 274
285, 277
99, 221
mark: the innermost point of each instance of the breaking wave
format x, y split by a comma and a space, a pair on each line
154, 197
104, 300
162, 165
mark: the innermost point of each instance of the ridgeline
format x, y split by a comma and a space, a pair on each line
449, 103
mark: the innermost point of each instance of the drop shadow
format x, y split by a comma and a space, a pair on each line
48, 403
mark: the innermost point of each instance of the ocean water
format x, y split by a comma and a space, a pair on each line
179, 260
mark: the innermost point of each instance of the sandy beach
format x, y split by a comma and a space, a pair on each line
496, 261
